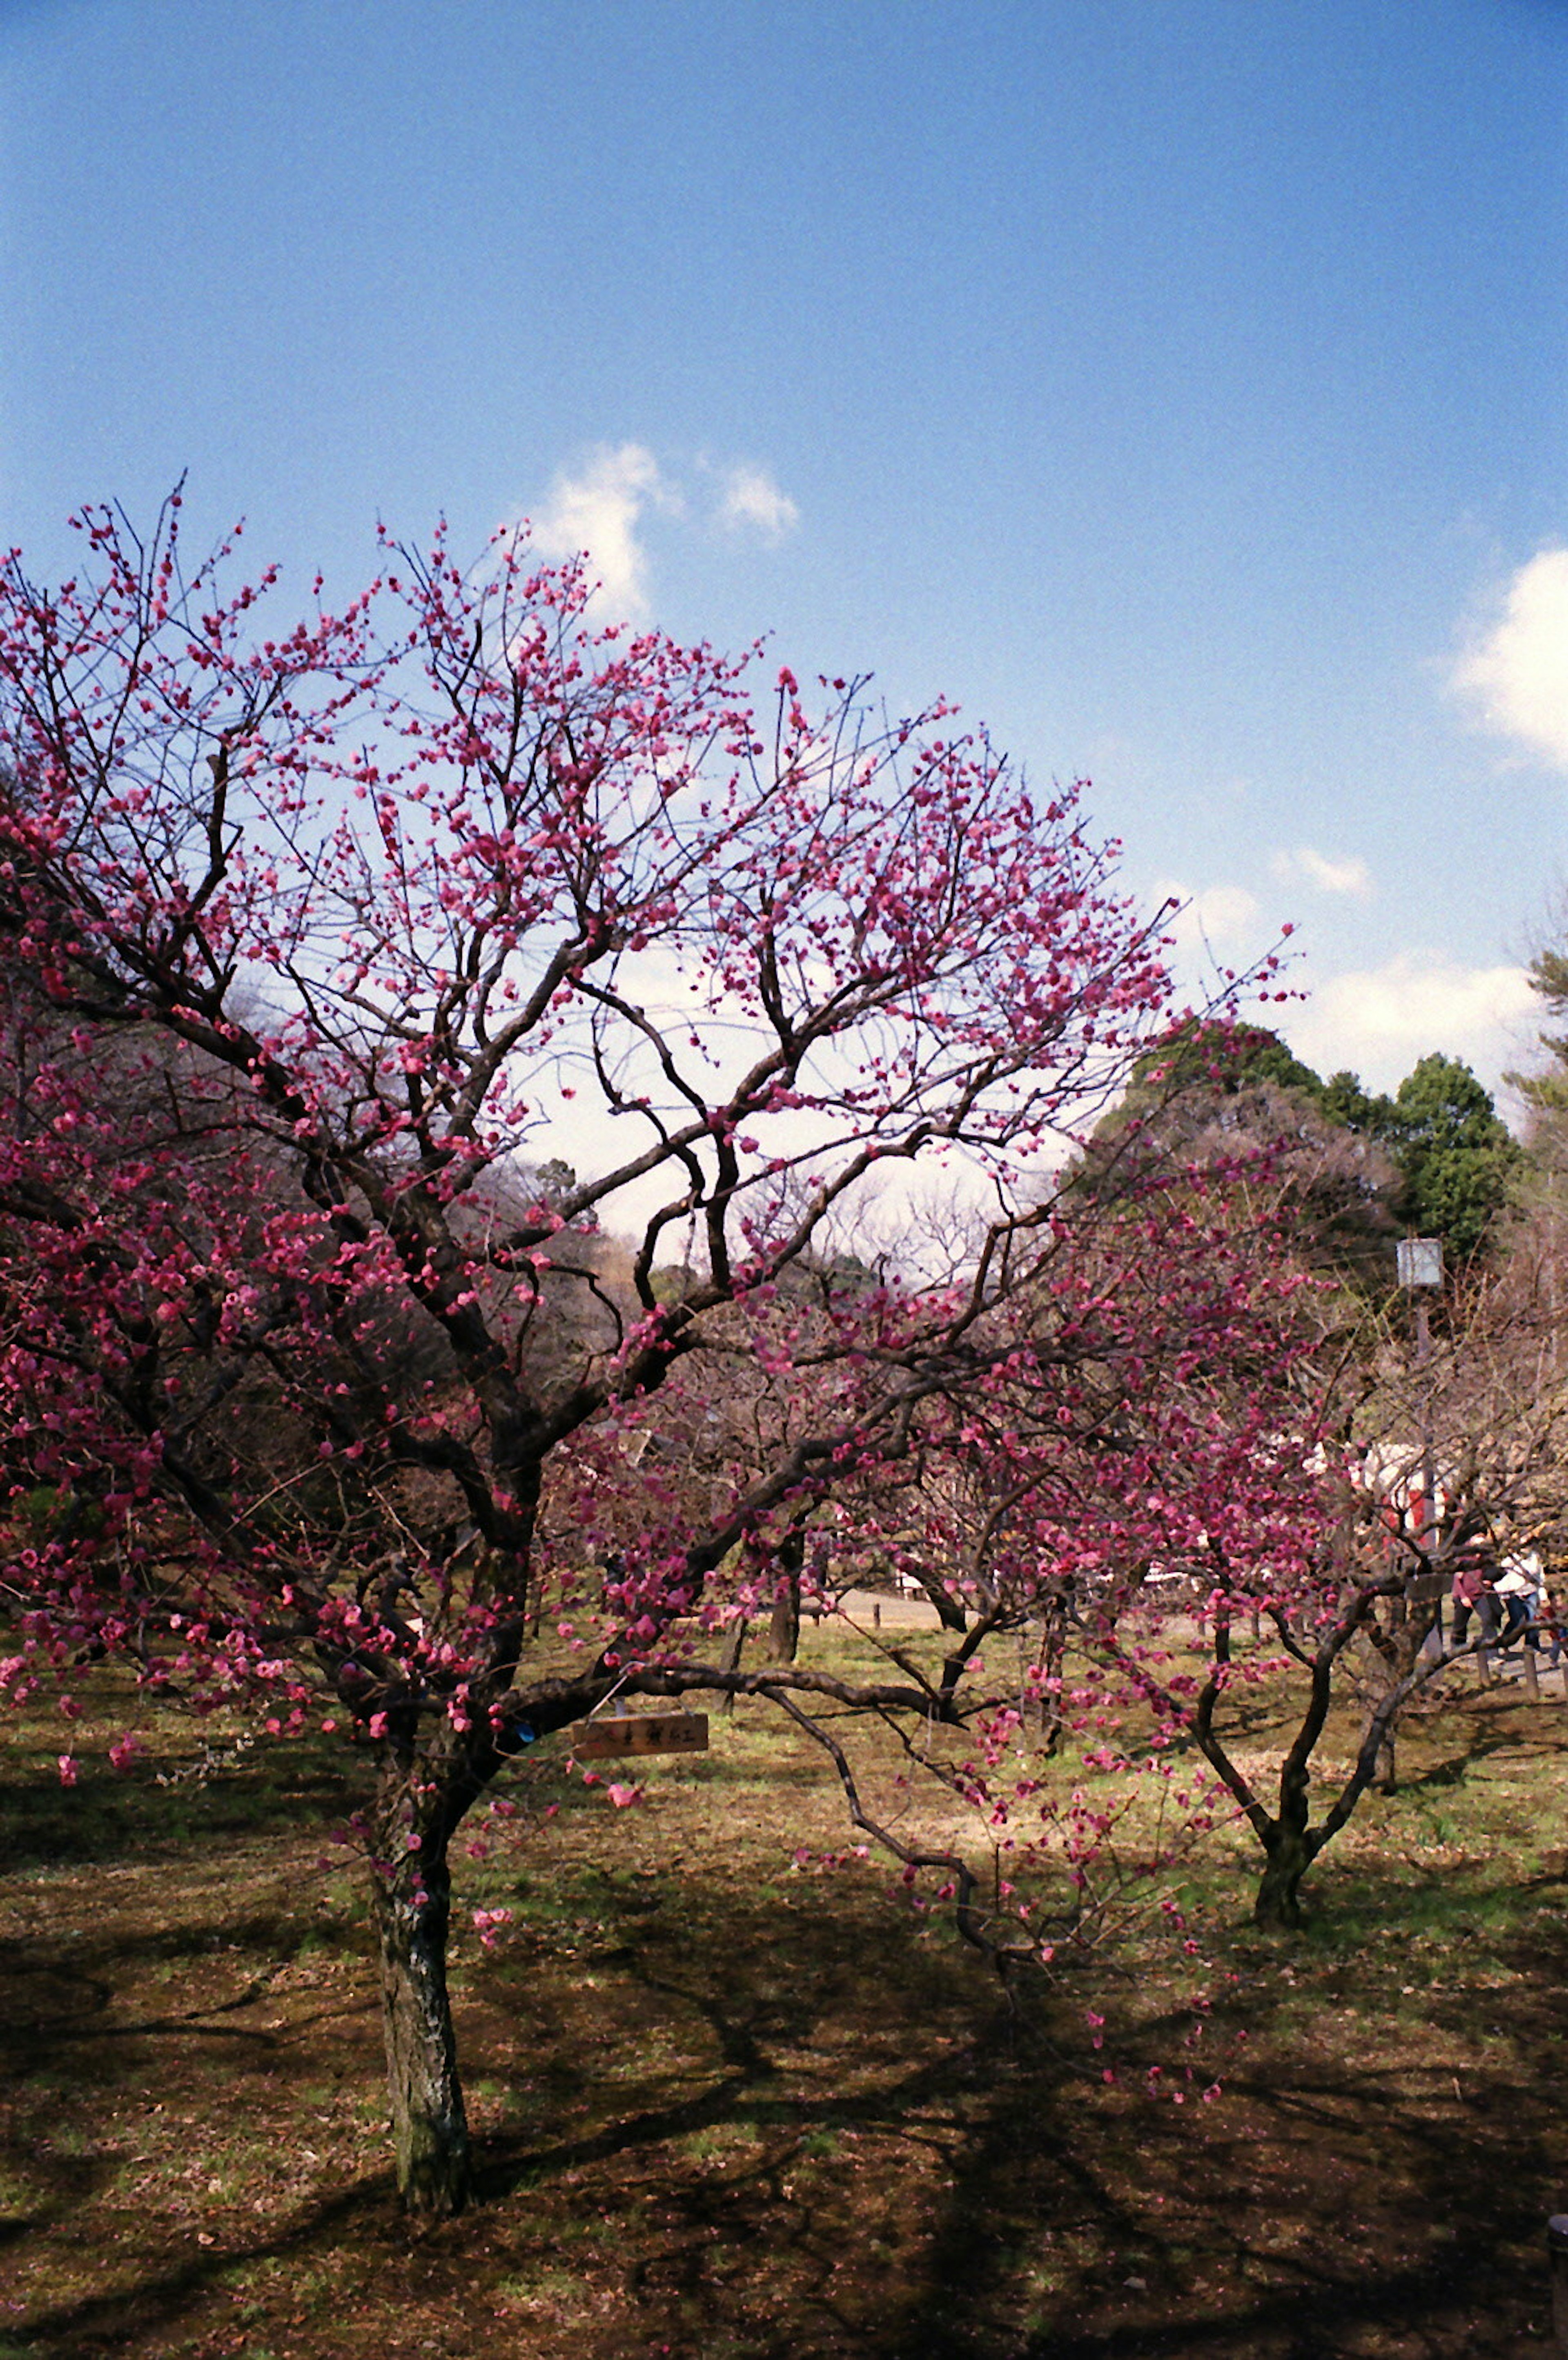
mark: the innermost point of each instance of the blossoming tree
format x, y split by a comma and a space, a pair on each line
312, 942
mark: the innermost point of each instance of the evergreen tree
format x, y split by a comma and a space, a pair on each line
1344, 1101
1547, 1092
1455, 1151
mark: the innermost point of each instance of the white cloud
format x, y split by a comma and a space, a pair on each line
1518, 673
1380, 1021
1217, 917
753, 502
599, 510
1348, 876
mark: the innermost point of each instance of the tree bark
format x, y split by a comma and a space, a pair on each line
784, 1624
1053, 1657
410, 1901
1387, 1777
1288, 1843
735, 1646
1278, 1903
1408, 1628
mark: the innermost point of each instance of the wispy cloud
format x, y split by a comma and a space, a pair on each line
598, 510
1217, 917
1381, 1020
751, 502
1348, 876
1518, 673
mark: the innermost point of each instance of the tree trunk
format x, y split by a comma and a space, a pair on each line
1279, 1902
1409, 1627
784, 1625
1290, 1851
1053, 1657
1388, 1776
734, 1647
410, 1901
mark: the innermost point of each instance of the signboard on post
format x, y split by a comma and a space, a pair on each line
1420, 1262
643, 1732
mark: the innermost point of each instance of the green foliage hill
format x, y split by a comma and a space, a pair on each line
1359, 1167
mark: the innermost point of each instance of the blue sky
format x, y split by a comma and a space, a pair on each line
1180, 385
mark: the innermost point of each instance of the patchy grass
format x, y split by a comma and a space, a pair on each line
726, 2109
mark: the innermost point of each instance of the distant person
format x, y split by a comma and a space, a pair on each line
1474, 1593
1519, 1587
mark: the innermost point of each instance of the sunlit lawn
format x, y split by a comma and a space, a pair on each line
728, 2106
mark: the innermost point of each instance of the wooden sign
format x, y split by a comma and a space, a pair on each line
652, 1733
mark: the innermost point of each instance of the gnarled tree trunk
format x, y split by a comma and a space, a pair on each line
784, 1622
1279, 1902
1397, 1650
1288, 1842
411, 1903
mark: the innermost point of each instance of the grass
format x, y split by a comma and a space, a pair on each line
724, 2108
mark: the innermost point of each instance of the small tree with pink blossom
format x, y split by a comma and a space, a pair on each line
315, 938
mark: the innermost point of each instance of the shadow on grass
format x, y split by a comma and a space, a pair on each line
164, 2300
1313, 2217
746, 2097
1066, 2232
106, 1819
814, 2132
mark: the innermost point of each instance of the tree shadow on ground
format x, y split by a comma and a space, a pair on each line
1326, 2209
742, 2123
105, 1818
